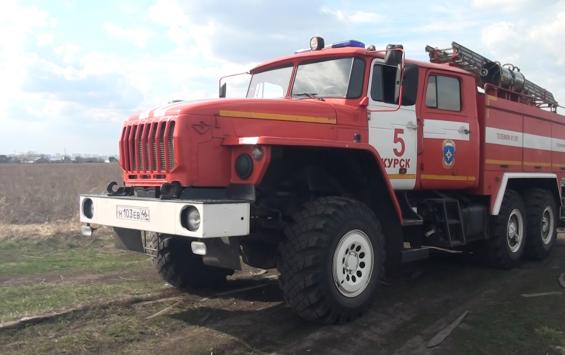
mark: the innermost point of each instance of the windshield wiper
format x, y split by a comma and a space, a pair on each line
310, 95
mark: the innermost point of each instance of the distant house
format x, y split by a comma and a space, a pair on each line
57, 159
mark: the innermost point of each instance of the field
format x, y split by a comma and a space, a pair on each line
93, 298
48, 193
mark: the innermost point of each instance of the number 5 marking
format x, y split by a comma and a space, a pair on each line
398, 132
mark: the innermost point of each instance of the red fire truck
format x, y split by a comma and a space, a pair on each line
341, 162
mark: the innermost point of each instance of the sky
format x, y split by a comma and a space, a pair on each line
72, 71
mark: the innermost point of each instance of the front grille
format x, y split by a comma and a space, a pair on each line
148, 148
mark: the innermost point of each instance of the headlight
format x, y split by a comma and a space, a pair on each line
257, 153
316, 43
192, 218
244, 166
88, 208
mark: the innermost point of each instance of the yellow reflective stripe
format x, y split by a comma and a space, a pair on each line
534, 163
402, 176
447, 177
503, 162
277, 117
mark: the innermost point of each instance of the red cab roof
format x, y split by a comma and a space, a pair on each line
343, 52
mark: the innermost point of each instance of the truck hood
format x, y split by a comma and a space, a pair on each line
306, 108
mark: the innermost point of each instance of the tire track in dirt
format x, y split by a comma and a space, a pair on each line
402, 321
422, 299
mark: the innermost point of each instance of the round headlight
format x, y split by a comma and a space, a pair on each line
192, 218
88, 208
244, 166
257, 153
316, 43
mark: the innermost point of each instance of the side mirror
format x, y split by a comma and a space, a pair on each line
223, 89
394, 55
410, 84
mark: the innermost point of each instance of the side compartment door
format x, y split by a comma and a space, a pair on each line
394, 134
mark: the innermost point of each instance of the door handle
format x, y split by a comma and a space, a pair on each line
411, 125
463, 130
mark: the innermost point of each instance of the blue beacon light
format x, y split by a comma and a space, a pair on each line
350, 43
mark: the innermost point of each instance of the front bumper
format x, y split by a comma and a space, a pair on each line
218, 218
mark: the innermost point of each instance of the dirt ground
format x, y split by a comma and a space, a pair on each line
100, 299
248, 316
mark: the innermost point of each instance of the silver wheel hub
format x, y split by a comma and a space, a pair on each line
515, 230
353, 263
547, 225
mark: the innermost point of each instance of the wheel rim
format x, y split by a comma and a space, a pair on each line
515, 230
353, 263
547, 225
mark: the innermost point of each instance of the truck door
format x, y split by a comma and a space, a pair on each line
450, 151
394, 134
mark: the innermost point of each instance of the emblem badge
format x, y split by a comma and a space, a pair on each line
448, 149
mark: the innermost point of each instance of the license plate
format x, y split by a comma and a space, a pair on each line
131, 213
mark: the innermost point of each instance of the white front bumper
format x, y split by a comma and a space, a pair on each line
217, 218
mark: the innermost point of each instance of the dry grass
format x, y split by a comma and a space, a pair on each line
44, 193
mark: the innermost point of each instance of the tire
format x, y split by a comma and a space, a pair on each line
505, 246
331, 260
184, 270
542, 223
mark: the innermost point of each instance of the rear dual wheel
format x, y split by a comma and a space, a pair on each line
523, 226
505, 247
542, 223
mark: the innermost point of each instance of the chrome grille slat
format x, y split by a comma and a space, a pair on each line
140, 150
162, 147
133, 148
148, 147
171, 149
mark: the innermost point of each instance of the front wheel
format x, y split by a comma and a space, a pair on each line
331, 260
184, 270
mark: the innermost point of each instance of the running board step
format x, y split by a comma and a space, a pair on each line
412, 222
411, 255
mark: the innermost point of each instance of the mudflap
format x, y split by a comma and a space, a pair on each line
128, 239
222, 252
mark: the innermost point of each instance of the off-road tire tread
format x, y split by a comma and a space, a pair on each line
536, 200
184, 270
300, 261
496, 250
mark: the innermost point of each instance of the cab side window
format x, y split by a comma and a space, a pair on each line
384, 86
443, 93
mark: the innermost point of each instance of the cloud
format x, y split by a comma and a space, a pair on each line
533, 43
353, 17
79, 85
137, 36
549, 34
502, 5
17, 26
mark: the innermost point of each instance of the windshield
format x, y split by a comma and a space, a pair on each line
330, 78
270, 84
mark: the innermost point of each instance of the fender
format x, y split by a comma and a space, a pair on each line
305, 142
506, 177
